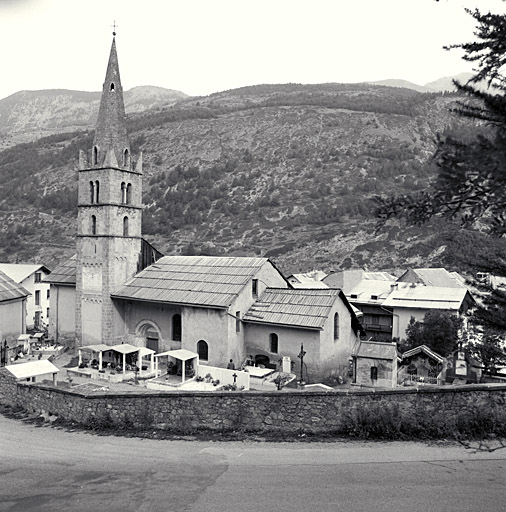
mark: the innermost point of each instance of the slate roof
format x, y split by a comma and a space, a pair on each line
64, 273
193, 280
427, 297
299, 307
10, 290
20, 271
376, 350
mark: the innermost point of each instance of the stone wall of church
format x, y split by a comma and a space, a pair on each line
309, 411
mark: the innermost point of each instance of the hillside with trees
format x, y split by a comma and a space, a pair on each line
284, 171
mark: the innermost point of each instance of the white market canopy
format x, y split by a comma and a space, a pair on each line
96, 348
123, 348
32, 369
181, 353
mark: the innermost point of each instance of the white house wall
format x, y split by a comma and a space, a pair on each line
12, 320
267, 276
257, 337
336, 354
209, 325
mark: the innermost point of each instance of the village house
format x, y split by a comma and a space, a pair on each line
226, 310
31, 278
387, 304
414, 301
13, 299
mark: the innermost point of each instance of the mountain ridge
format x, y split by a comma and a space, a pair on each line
28, 115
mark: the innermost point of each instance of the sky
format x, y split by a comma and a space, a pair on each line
205, 46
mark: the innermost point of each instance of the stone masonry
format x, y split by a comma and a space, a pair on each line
312, 412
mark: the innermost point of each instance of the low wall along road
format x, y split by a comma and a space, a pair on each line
290, 412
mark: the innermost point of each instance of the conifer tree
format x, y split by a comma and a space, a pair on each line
471, 180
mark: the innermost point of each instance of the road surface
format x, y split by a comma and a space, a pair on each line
49, 469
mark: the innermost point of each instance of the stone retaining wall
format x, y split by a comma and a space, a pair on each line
312, 411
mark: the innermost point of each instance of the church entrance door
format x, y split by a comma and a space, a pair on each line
152, 340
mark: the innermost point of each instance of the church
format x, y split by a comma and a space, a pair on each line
120, 289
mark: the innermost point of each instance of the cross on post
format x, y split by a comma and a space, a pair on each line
114, 26
301, 355
235, 377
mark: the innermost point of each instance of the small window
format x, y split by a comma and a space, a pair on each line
129, 194
126, 157
374, 373
125, 226
237, 321
176, 327
48, 294
94, 158
111, 88
38, 277
37, 297
92, 192
97, 192
374, 297
336, 326
273, 339
93, 225
123, 193
47, 313
203, 350
254, 287
353, 296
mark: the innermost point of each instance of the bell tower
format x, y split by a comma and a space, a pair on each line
109, 215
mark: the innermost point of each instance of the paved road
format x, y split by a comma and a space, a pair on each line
47, 469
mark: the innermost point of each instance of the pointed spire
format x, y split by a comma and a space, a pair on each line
111, 130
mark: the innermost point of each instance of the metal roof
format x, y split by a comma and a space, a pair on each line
32, 369
365, 290
378, 276
298, 307
64, 273
433, 277
427, 297
10, 290
426, 350
20, 271
194, 280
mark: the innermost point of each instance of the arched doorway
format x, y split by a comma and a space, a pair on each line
151, 334
203, 350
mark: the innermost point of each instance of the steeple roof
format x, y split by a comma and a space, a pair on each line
111, 129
